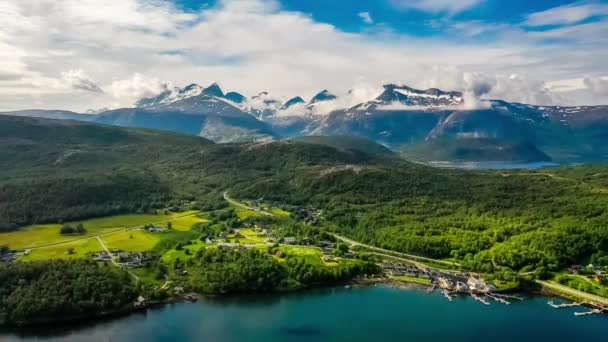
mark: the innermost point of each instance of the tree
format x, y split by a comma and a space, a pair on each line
169, 226
70, 251
80, 229
342, 248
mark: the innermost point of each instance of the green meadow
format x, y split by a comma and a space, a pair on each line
71, 250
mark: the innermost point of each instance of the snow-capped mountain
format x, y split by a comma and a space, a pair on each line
396, 116
396, 97
169, 96
292, 102
323, 96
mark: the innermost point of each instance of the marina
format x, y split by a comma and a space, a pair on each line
336, 314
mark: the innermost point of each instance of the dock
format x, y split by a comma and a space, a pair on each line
507, 296
480, 299
498, 299
591, 312
563, 305
431, 289
447, 295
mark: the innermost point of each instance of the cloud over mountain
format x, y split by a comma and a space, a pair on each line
113, 52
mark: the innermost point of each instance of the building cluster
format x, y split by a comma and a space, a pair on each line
461, 284
396, 269
7, 257
155, 229
598, 273
127, 259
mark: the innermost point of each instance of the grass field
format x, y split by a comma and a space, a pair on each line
47, 234
245, 213
185, 223
81, 249
424, 281
171, 255
279, 212
132, 241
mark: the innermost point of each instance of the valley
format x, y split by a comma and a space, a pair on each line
423, 125
169, 206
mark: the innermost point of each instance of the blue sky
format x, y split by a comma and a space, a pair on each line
80, 54
345, 14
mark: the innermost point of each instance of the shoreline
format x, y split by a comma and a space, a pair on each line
542, 291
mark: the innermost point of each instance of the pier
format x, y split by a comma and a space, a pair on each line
507, 296
447, 295
563, 305
498, 299
591, 312
480, 299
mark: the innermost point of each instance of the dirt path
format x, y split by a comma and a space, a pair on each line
139, 227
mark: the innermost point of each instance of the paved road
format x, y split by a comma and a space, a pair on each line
244, 206
351, 242
576, 293
110, 233
354, 243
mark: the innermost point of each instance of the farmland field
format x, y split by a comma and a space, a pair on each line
80, 249
171, 255
186, 223
47, 234
132, 241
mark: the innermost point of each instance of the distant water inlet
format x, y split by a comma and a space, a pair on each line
492, 165
379, 313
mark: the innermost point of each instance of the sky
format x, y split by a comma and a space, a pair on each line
92, 54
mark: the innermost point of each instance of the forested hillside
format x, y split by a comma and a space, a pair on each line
488, 220
48, 291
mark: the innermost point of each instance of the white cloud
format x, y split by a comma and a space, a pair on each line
437, 6
569, 14
136, 87
129, 48
366, 17
77, 79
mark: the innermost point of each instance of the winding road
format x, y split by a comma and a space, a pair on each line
352, 242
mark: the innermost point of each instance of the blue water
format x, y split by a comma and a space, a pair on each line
494, 165
359, 314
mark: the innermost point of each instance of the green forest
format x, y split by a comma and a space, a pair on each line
55, 290
526, 221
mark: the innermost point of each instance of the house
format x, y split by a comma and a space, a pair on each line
153, 229
576, 269
328, 258
262, 232
290, 240
140, 302
476, 284
7, 257
270, 240
307, 241
101, 256
325, 243
445, 283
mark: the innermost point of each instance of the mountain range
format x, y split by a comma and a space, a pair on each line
429, 124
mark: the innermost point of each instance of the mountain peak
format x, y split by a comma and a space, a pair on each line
235, 97
432, 97
293, 101
213, 90
324, 95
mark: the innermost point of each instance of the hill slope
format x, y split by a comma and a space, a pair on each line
475, 150
346, 143
489, 221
